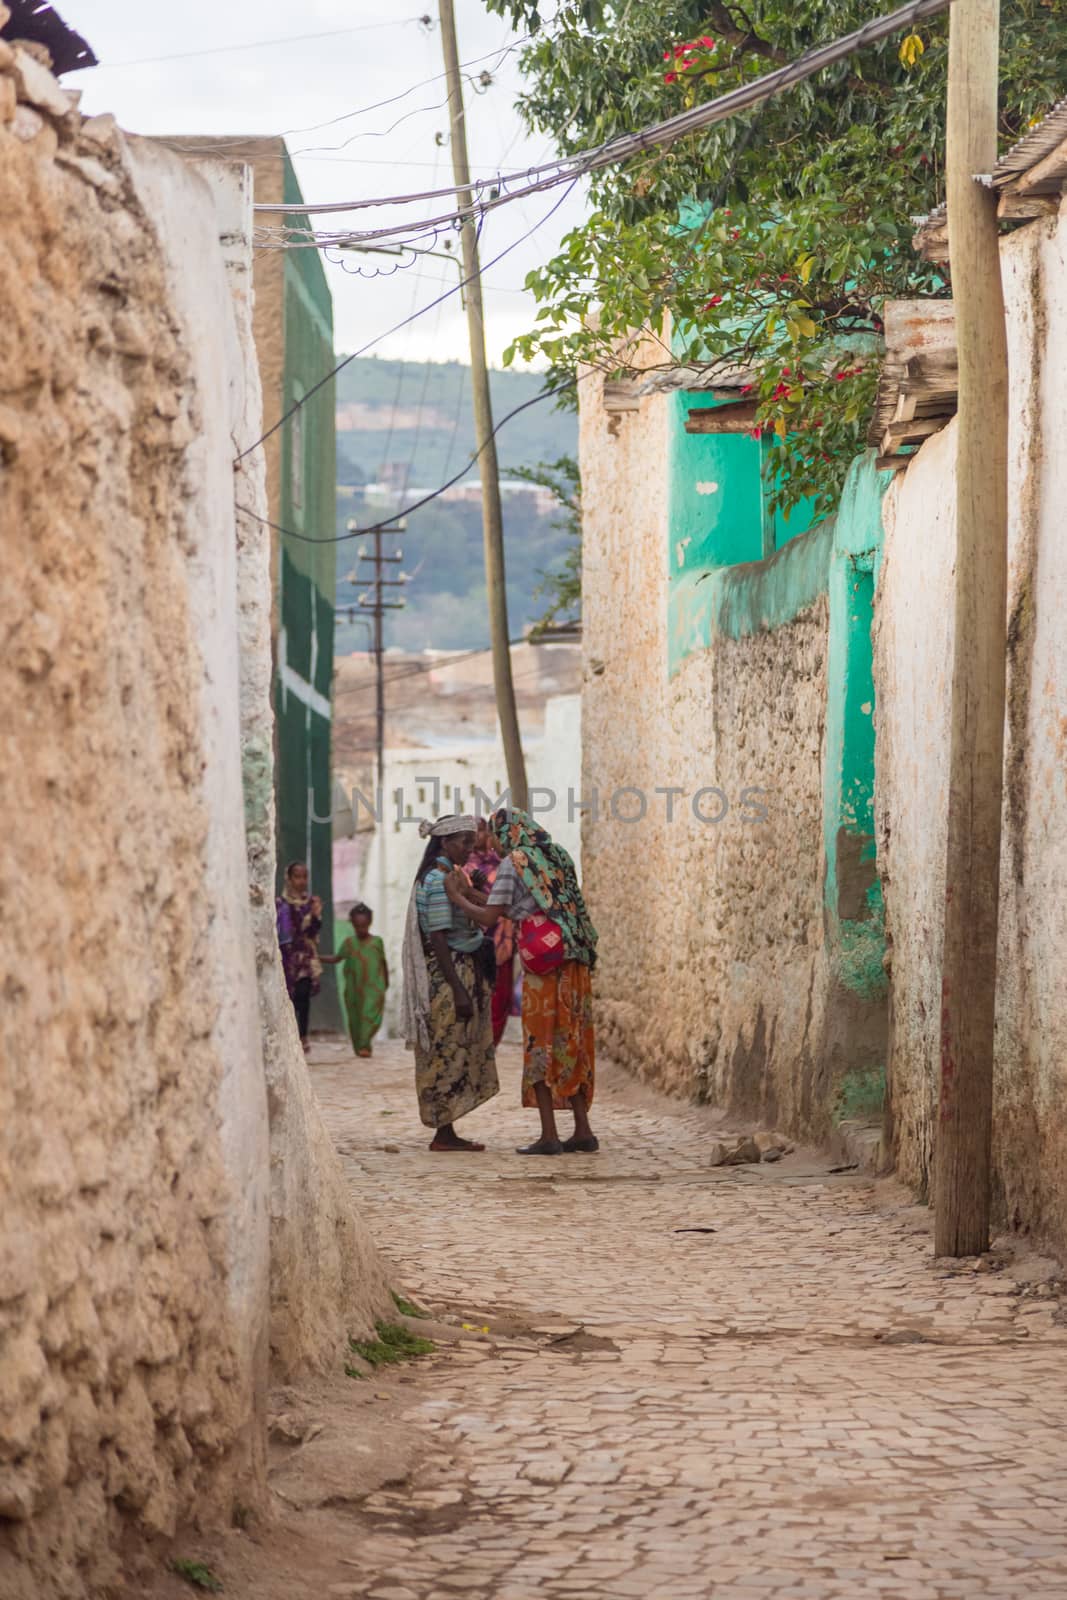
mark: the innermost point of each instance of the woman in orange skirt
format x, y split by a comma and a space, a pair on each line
536, 879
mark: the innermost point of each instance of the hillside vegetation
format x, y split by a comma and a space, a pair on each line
414, 421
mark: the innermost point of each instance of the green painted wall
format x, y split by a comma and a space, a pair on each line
719, 517
853, 898
733, 574
306, 586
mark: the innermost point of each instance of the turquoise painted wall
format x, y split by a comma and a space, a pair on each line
722, 585
719, 517
853, 899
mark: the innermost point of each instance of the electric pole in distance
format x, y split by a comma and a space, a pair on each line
492, 519
374, 604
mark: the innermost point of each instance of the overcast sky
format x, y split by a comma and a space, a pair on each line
282, 88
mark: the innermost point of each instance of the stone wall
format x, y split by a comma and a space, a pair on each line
143, 1242
913, 673
713, 979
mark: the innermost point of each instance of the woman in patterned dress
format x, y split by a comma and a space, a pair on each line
447, 1002
559, 1071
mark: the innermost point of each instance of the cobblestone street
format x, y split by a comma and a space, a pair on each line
749, 1381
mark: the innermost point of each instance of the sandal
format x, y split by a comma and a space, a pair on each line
465, 1146
581, 1147
543, 1147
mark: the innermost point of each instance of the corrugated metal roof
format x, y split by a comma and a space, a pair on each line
1033, 146
38, 21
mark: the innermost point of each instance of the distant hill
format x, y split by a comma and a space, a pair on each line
411, 424
418, 414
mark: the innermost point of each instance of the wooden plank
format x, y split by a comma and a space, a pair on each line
1013, 207
912, 431
739, 417
891, 463
620, 396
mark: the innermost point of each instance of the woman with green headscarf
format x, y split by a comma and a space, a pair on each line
536, 879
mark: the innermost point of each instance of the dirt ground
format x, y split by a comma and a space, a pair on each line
675, 1381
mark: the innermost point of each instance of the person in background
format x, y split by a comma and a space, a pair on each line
481, 869
446, 1001
535, 881
366, 979
299, 918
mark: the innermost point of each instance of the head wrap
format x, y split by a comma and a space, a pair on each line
446, 825
548, 872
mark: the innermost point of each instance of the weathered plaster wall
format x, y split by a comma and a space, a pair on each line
713, 976
134, 1163
913, 676
134, 1272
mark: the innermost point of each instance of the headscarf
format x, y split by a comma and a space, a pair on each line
548, 872
415, 994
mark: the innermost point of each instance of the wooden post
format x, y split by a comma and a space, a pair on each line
488, 470
962, 1153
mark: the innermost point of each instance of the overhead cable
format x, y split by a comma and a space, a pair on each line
659, 135
397, 327
259, 44
416, 505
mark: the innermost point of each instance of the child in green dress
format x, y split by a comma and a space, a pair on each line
366, 978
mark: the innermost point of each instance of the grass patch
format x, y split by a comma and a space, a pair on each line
393, 1345
408, 1308
198, 1574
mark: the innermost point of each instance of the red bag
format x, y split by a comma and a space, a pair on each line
540, 944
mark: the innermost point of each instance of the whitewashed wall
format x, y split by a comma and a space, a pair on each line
913, 675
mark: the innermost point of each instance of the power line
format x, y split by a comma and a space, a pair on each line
224, 144
622, 146
261, 44
417, 505
501, 52
448, 293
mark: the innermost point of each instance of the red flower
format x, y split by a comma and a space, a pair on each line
666, 55
785, 372
716, 300
670, 77
747, 388
735, 233
709, 44
783, 388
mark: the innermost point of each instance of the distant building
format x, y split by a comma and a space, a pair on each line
294, 342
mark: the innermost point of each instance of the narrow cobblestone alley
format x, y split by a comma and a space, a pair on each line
746, 1381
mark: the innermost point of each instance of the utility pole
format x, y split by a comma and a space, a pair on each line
375, 605
492, 519
962, 1152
